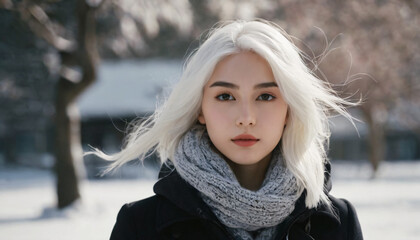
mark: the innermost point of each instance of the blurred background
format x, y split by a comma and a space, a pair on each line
76, 73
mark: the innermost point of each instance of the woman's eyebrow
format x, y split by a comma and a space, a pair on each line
225, 84
234, 86
266, 85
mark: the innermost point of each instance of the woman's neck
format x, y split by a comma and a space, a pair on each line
252, 176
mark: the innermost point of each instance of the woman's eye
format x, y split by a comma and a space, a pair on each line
225, 97
265, 97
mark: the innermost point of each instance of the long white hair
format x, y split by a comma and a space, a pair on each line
310, 102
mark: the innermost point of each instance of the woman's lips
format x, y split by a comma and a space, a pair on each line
245, 140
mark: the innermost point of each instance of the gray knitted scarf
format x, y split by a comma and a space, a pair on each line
246, 214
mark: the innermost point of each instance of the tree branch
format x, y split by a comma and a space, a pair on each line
41, 25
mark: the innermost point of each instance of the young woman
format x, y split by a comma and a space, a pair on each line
244, 136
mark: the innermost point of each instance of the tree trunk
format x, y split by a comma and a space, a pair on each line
376, 138
68, 150
69, 154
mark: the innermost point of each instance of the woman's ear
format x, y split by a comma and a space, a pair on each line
201, 118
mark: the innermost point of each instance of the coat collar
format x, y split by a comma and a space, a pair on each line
189, 205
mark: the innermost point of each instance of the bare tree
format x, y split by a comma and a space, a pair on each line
72, 32
78, 71
377, 53
69, 87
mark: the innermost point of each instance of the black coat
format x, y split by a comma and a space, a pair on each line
178, 212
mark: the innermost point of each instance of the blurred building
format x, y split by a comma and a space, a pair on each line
131, 89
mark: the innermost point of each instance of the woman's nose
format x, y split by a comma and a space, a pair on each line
246, 116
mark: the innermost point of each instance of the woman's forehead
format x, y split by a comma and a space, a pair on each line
243, 67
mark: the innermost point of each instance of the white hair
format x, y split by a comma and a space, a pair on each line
310, 101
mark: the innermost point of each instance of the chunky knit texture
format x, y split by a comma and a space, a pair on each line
240, 209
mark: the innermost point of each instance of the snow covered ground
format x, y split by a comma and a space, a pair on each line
388, 207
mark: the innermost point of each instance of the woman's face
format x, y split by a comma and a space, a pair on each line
243, 109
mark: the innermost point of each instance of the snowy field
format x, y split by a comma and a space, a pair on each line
388, 207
